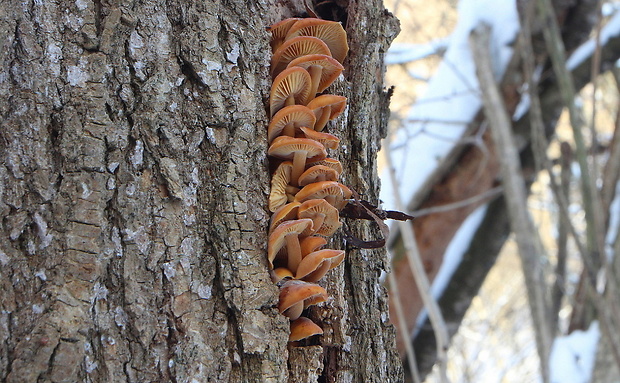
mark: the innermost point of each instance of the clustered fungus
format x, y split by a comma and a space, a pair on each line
306, 197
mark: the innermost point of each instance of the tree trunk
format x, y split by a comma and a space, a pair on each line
134, 197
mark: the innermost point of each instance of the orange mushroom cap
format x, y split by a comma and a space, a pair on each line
279, 31
296, 294
286, 236
323, 215
299, 150
331, 32
315, 265
325, 108
328, 140
280, 179
330, 163
311, 244
280, 273
294, 48
284, 213
323, 70
331, 191
291, 87
288, 119
317, 173
302, 328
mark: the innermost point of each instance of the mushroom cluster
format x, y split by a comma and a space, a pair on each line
305, 196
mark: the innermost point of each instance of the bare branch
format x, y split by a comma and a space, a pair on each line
528, 241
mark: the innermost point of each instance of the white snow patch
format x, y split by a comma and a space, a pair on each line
440, 117
585, 50
456, 249
402, 53
572, 356
522, 107
76, 76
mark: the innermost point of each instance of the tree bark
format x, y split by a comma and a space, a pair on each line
134, 197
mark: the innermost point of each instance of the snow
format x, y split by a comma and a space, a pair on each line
453, 257
440, 117
572, 356
456, 249
402, 53
611, 29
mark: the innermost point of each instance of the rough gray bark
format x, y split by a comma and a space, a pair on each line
133, 197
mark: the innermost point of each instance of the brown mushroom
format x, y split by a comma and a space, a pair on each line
323, 69
279, 273
286, 236
288, 119
328, 140
330, 163
311, 244
315, 265
294, 48
330, 32
302, 328
279, 31
323, 215
281, 191
296, 295
331, 191
285, 213
299, 150
325, 108
291, 87
317, 173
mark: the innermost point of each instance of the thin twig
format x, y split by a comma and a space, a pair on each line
404, 331
527, 238
591, 201
487, 195
417, 269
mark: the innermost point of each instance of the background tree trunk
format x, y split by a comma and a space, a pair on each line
133, 196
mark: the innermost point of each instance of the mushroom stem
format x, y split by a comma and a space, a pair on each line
290, 100
289, 129
299, 165
331, 199
322, 121
317, 222
316, 72
293, 252
317, 274
290, 193
294, 311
